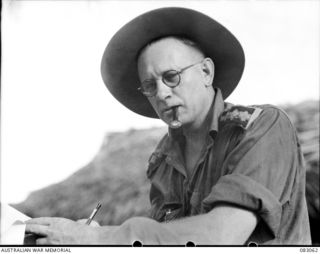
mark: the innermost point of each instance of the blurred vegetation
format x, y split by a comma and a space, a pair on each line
305, 117
116, 177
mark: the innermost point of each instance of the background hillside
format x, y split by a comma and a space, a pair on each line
116, 177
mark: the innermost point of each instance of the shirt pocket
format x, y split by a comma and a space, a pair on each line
172, 207
172, 211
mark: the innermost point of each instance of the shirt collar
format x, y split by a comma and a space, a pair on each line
215, 112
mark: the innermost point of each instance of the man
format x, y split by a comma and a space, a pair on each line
223, 174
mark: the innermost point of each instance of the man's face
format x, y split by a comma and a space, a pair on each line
189, 97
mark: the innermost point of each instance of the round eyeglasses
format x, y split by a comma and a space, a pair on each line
171, 78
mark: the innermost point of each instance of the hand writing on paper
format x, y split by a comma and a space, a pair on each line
61, 231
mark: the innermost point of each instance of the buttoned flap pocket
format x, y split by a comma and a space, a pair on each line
172, 211
195, 202
172, 207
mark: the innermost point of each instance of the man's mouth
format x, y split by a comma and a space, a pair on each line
170, 110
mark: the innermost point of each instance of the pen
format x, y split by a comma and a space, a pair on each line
94, 212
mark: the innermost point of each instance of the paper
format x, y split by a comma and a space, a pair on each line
12, 225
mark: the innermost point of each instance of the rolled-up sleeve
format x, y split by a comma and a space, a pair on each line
261, 170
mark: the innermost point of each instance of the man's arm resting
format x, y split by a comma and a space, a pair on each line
223, 225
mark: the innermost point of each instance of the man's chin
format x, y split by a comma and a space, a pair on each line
173, 124
170, 121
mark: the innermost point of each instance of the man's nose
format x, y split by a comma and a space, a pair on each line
163, 91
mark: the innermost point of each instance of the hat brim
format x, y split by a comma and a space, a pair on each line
119, 68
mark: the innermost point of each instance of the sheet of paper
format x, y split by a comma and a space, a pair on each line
12, 225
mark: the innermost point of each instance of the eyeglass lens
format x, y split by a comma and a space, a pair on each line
171, 78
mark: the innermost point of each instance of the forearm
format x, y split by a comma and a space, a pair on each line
198, 229
223, 225
141, 229
147, 231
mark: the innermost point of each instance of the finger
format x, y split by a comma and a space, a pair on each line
82, 221
92, 224
42, 221
41, 241
37, 229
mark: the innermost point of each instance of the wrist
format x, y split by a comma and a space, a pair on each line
102, 235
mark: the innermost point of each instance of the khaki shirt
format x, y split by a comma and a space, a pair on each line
252, 159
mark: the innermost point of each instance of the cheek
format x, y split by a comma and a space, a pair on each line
153, 103
193, 99
193, 85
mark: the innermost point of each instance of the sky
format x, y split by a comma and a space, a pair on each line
55, 109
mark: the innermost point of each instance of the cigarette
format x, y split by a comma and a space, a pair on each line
94, 212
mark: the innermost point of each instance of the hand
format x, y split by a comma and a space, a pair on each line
61, 231
92, 224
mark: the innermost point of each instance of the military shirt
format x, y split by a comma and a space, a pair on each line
251, 159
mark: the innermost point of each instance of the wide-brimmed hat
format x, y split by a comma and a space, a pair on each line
119, 67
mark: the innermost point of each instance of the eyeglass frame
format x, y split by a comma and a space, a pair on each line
140, 89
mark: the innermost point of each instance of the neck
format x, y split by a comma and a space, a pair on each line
196, 133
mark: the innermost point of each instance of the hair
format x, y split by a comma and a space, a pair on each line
184, 40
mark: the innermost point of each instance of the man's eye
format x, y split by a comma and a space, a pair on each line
148, 85
171, 76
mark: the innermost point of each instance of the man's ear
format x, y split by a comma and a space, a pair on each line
208, 71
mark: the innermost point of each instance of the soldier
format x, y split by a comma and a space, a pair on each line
223, 174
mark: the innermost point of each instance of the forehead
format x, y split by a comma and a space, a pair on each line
168, 48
